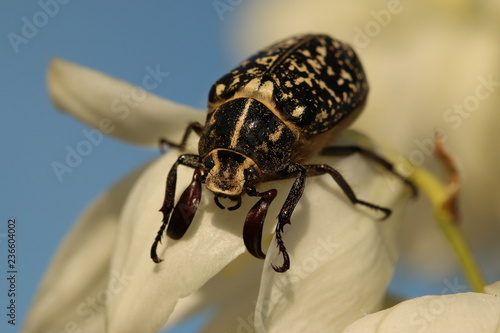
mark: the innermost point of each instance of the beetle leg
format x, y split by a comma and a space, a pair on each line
286, 211
348, 150
164, 143
168, 203
186, 207
252, 230
320, 169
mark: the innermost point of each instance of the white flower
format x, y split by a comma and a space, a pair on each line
457, 313
102, 278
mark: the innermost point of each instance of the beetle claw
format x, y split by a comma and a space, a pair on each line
282, 249
286, 262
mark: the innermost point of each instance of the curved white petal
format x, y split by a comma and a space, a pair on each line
468, 312
74, 291
236, 295
341, 258
212, 241
493, 289
116, 107
231, 296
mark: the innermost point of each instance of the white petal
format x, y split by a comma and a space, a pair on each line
468, 312
231, 295
341, 258
72, 294
212, 241
115, 107
493, 289
236, 295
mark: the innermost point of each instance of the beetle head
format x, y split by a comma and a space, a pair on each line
228, 173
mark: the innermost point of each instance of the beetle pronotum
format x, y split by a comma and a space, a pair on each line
265, 119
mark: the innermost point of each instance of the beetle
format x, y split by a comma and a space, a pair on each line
265, 119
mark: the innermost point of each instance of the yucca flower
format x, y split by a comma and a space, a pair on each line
342, 258
102, 278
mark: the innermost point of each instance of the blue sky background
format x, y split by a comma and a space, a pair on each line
120, 38
188, 39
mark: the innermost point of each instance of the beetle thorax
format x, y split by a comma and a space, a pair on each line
229, 172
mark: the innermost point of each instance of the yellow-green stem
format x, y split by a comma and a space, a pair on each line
437, 194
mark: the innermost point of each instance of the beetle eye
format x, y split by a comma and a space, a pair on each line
209, 163
251, 173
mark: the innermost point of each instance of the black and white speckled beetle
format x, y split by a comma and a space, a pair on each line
265, 119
